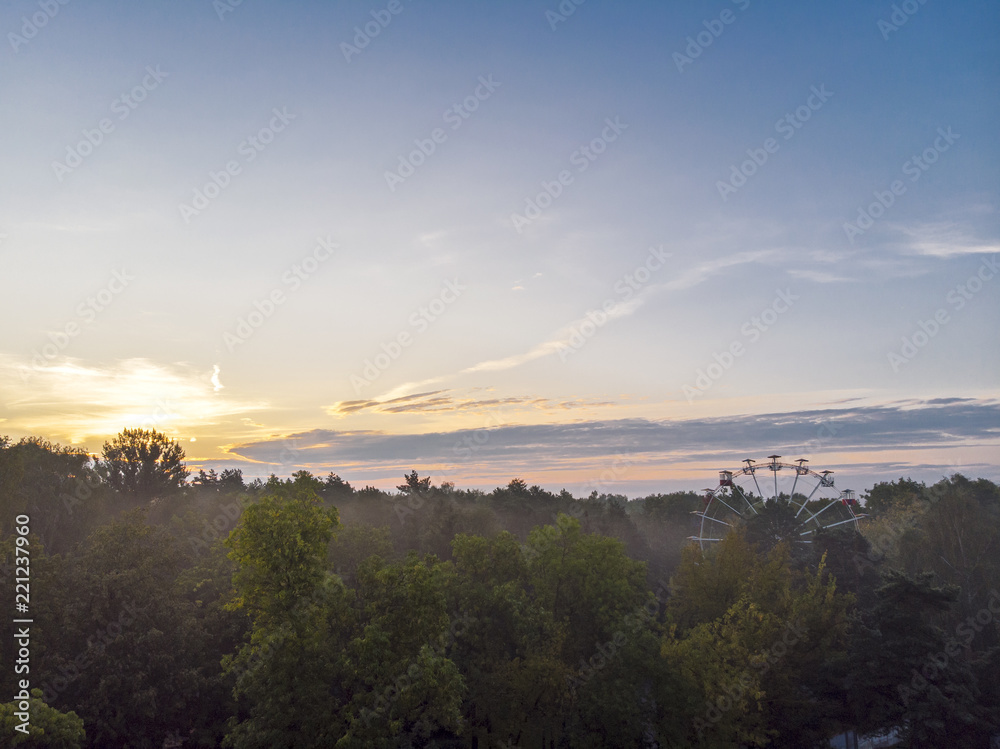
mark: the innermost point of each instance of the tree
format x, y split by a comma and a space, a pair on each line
886, 495
909, 672
414, 484
280, 548
143, 463
231, 479
130, 656
56, 486
48, 728
590, 597
353, 544
400, 685
763, 642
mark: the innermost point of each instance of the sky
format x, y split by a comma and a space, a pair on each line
594, 245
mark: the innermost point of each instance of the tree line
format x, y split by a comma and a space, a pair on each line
199, 610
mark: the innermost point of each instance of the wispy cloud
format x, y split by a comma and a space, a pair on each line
613, 309
818, 276
701, 273
945, 239
439, 401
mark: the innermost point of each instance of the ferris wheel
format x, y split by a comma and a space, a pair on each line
807, 499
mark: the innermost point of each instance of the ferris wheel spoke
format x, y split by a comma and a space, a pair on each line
815, 515
808, 498
727, 505
805, 500
749, 504
842, 522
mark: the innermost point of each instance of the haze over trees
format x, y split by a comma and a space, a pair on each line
201, 611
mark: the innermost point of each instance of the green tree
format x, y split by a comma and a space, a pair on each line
414, 484
402, 687
764, 643
887, 495
143, 463
130, 656
510, 651
48, 728
55, 486
283, 674
907, 672
586, 592
353, 544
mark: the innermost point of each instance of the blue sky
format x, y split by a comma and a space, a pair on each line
377, 268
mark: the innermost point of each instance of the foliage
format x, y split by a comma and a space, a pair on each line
47, 729
143, 463
300, 612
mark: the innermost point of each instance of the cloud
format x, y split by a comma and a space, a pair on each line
869, 429
564, 337
436, 401
78, 400
703, 272
818, 276
945, 239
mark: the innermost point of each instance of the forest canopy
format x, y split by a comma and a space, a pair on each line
199, 610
